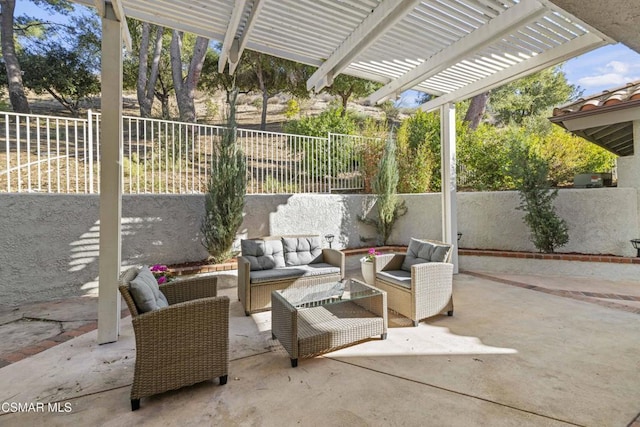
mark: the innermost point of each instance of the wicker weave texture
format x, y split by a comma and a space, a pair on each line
183, 344
431, 291
312, 331
257, 297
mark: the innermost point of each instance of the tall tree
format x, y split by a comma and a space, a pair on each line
531, 96
147, 70
63, 74
347, 87
148, 76
476, 110
274, 75
17, 95
185, 86
242, 80
10, 31
65, 66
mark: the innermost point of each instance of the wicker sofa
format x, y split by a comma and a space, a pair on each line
181, 341
277, 262
419, 284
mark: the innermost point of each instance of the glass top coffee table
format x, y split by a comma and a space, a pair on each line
316, 319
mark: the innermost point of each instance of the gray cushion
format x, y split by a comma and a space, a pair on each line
145, 291
263, 254
302, 250
420, 252
318, 269
398, 277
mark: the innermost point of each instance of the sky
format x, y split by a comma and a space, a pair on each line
598, 70
604, 68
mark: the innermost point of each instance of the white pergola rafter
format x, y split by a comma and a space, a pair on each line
546, 59
496, 29
230, 43
386, 15
241, 43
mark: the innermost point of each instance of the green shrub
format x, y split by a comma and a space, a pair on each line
316, 152
389, 206
569, 155
484, 155
275, 186
548, 231
224, 198
419, 153
293, 109
330, 120
370, 151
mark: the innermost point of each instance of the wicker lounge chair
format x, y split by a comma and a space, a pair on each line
182, 344
420, 288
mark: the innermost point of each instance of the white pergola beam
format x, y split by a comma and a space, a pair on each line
385, 16
239, 45
229, 36
124, 28
569, 50
500, 26
118, 10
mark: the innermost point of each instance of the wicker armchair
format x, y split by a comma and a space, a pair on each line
182, 344
428, 292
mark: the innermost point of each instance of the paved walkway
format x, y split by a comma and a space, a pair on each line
520, 350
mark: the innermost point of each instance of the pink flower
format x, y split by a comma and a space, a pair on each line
161, 280
371, 254
158, 267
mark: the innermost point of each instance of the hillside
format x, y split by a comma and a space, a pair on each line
211, 110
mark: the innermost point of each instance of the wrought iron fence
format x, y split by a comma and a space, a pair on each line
62, 155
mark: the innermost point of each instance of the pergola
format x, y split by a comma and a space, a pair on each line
452, 49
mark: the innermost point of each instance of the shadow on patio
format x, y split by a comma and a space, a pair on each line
508, 356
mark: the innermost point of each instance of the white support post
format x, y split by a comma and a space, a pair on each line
110, 178
90, 148
448, 170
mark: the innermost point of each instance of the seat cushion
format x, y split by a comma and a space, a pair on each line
145, 291
274, 274
302, 250
420, 251
397, 277
263, 254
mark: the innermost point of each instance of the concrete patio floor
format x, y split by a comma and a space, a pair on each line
519, 350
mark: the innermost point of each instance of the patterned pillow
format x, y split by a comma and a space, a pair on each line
263, 254
146, 292
302, 250
420, 251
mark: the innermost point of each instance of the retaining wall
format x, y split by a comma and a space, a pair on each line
50, 241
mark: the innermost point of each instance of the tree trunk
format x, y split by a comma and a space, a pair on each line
162, 93
17, 96
164, 103
185, 89
143, 62
262, 85
263, 115
345, 100
147, 78
476, 110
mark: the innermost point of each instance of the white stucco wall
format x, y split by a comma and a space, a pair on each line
50, 242
600, 220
